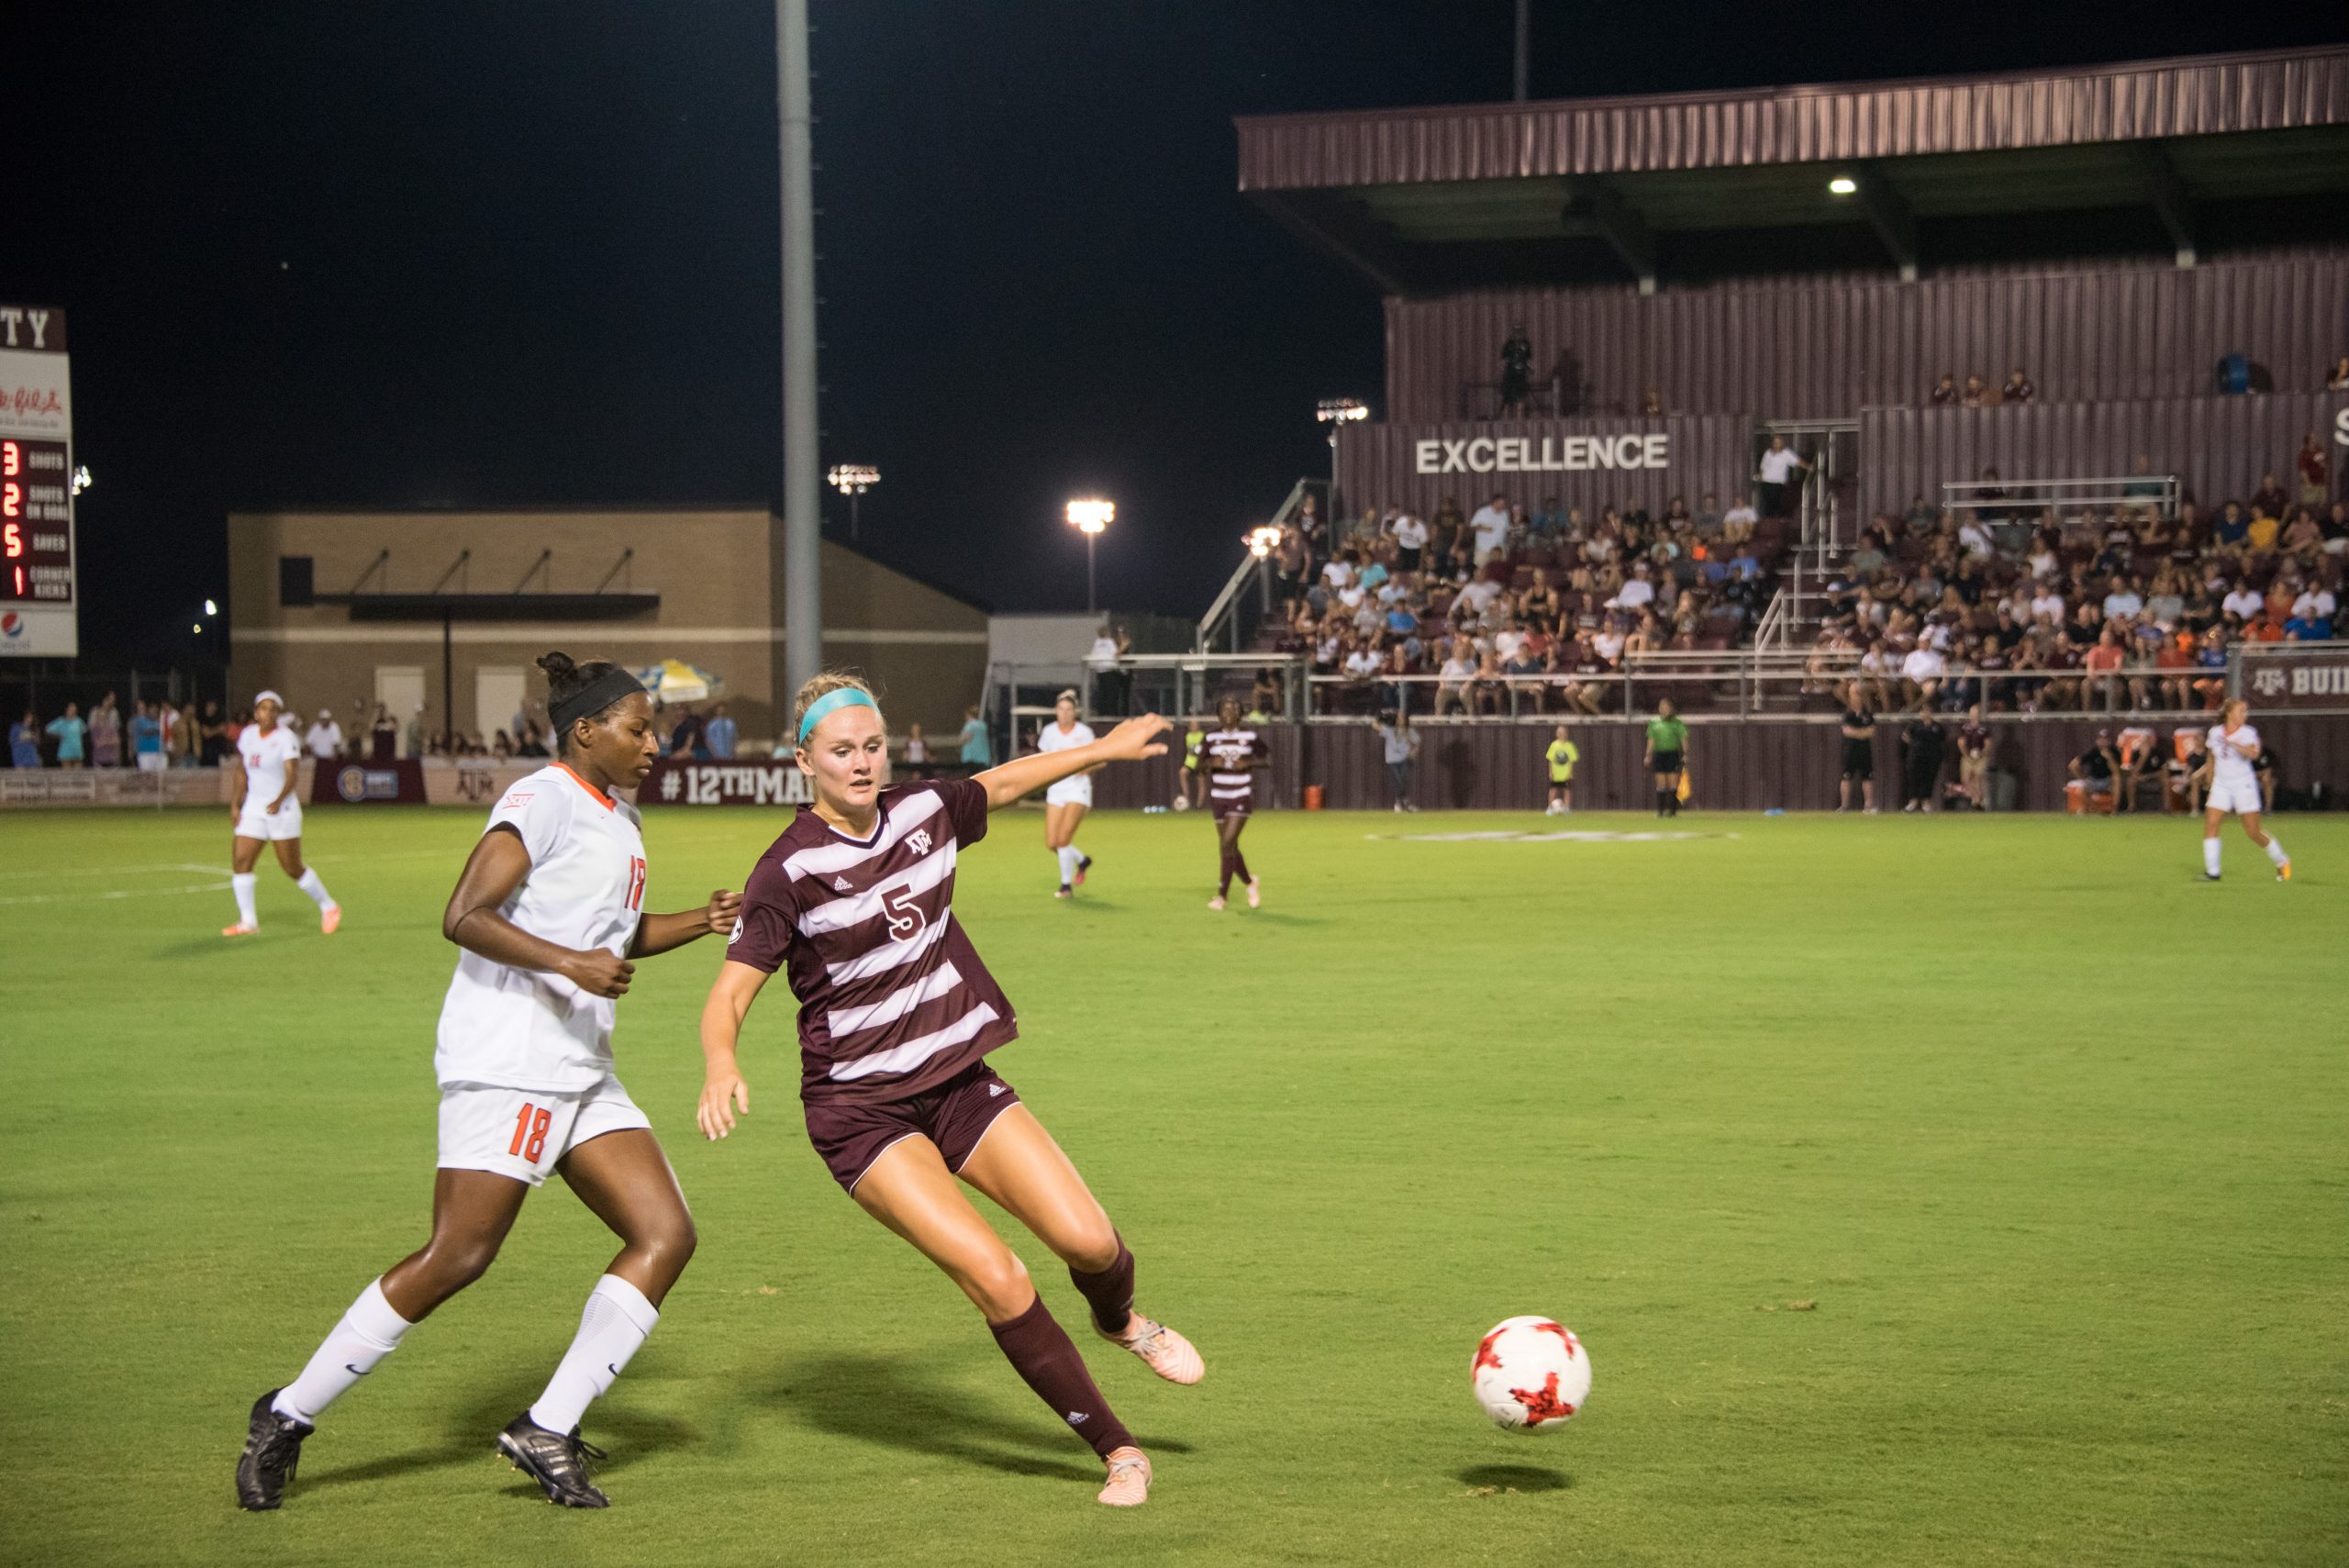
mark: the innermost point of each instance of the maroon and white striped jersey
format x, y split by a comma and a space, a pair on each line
893, 998
1231, 757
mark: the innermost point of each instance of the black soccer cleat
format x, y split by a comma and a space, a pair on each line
556, 1460
272, 1449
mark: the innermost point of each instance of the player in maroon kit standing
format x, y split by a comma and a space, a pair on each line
896, 1016
1235, 752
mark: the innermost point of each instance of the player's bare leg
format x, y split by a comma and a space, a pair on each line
2268, 844
1021, 1168
910, 1189
1227, 832
625, 1180
472, 1212
289, 860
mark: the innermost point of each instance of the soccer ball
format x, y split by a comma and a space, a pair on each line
1530, 1375
1182, 803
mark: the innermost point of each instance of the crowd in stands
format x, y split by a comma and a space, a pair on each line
1509, 610
1979, 393
2121, 608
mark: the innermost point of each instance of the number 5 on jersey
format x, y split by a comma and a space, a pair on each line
906, 918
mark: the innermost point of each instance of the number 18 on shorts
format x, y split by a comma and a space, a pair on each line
522, 1133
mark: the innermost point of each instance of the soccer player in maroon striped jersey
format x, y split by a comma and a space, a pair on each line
1233, 751
896, 1016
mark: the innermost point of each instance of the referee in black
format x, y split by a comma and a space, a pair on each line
1859, 750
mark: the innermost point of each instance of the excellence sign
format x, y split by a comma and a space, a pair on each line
1545, 454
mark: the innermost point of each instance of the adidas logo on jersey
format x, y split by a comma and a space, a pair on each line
918, 841
1077, 1417
994, 1089
840, 885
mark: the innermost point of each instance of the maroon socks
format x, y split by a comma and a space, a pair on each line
1039, 1351
1234, 864
1110, 1292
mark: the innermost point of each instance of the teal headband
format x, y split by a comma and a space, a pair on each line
831, 702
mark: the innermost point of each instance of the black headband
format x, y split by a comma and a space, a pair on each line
593, 698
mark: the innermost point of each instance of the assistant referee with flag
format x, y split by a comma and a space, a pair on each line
1667, 756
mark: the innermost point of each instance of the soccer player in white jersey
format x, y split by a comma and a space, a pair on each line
1067, 800
265, 809
855, 902
2232, 745
548, 911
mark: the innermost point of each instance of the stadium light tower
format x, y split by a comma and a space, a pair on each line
853, 480
1336, 413
1090, 518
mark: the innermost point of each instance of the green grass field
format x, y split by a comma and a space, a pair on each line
1950, 1191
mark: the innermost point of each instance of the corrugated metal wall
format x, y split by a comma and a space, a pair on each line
1825, 347
2218, 446
1758, 765
1377, 464
2202, 95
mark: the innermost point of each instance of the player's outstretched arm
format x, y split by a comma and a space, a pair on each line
472, 921
660, 933
723, 1092
1129, 743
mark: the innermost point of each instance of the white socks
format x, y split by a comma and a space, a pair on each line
242, 884
617, 1320
1069, 856
365, 1335
2275, 856
310, 884
2211, 856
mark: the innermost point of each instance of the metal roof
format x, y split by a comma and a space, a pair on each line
1680, 184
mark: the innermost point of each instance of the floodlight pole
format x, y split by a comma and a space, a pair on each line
1524, 45
1089, 602
803, 563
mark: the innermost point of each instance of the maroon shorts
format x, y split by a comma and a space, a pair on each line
851, 1134
1244, 806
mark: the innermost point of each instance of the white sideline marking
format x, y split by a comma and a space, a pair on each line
1513, 836
117, 892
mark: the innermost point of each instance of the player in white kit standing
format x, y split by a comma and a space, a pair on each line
264, 806
2234, 786
1065, 803
547, 912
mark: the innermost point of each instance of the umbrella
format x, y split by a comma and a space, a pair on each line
673, 680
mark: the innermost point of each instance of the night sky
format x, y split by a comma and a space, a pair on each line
494, 252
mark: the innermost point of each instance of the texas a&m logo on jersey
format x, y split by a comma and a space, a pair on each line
918, 841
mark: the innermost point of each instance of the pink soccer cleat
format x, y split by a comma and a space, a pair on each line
1255, 897
329, 919
1162, 1350
1128, 1485
238, 929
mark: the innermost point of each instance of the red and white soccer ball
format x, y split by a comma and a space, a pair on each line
1530, 1375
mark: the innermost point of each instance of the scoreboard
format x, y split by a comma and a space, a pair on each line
38, 607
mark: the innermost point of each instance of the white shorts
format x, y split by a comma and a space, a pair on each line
1077, 791
522, 1132
286, 822
2233, 797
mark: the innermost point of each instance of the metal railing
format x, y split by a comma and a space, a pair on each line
2157, 490
1229, 620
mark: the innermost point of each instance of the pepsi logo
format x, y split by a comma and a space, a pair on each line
12, 625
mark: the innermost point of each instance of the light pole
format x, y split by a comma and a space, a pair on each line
1089, 518
853, 480
1335, 412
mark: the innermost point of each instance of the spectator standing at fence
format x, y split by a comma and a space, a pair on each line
1921, 747
24, 742
978, 746
1398, 743
691, 737
147, 739
2019, 388
1974, 759
1109, 680
1667, 756
1775, 477
1561, 755
71, 732
106, 734
1944, 391
324, 738
1858, 728
217, 737
1411, 542
724, 734
2316, 472
1517, 371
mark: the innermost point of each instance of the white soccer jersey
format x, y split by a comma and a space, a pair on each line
268, 762
521, 1028
1075, 791
2235, 785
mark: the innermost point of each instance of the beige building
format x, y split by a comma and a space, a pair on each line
442, 613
